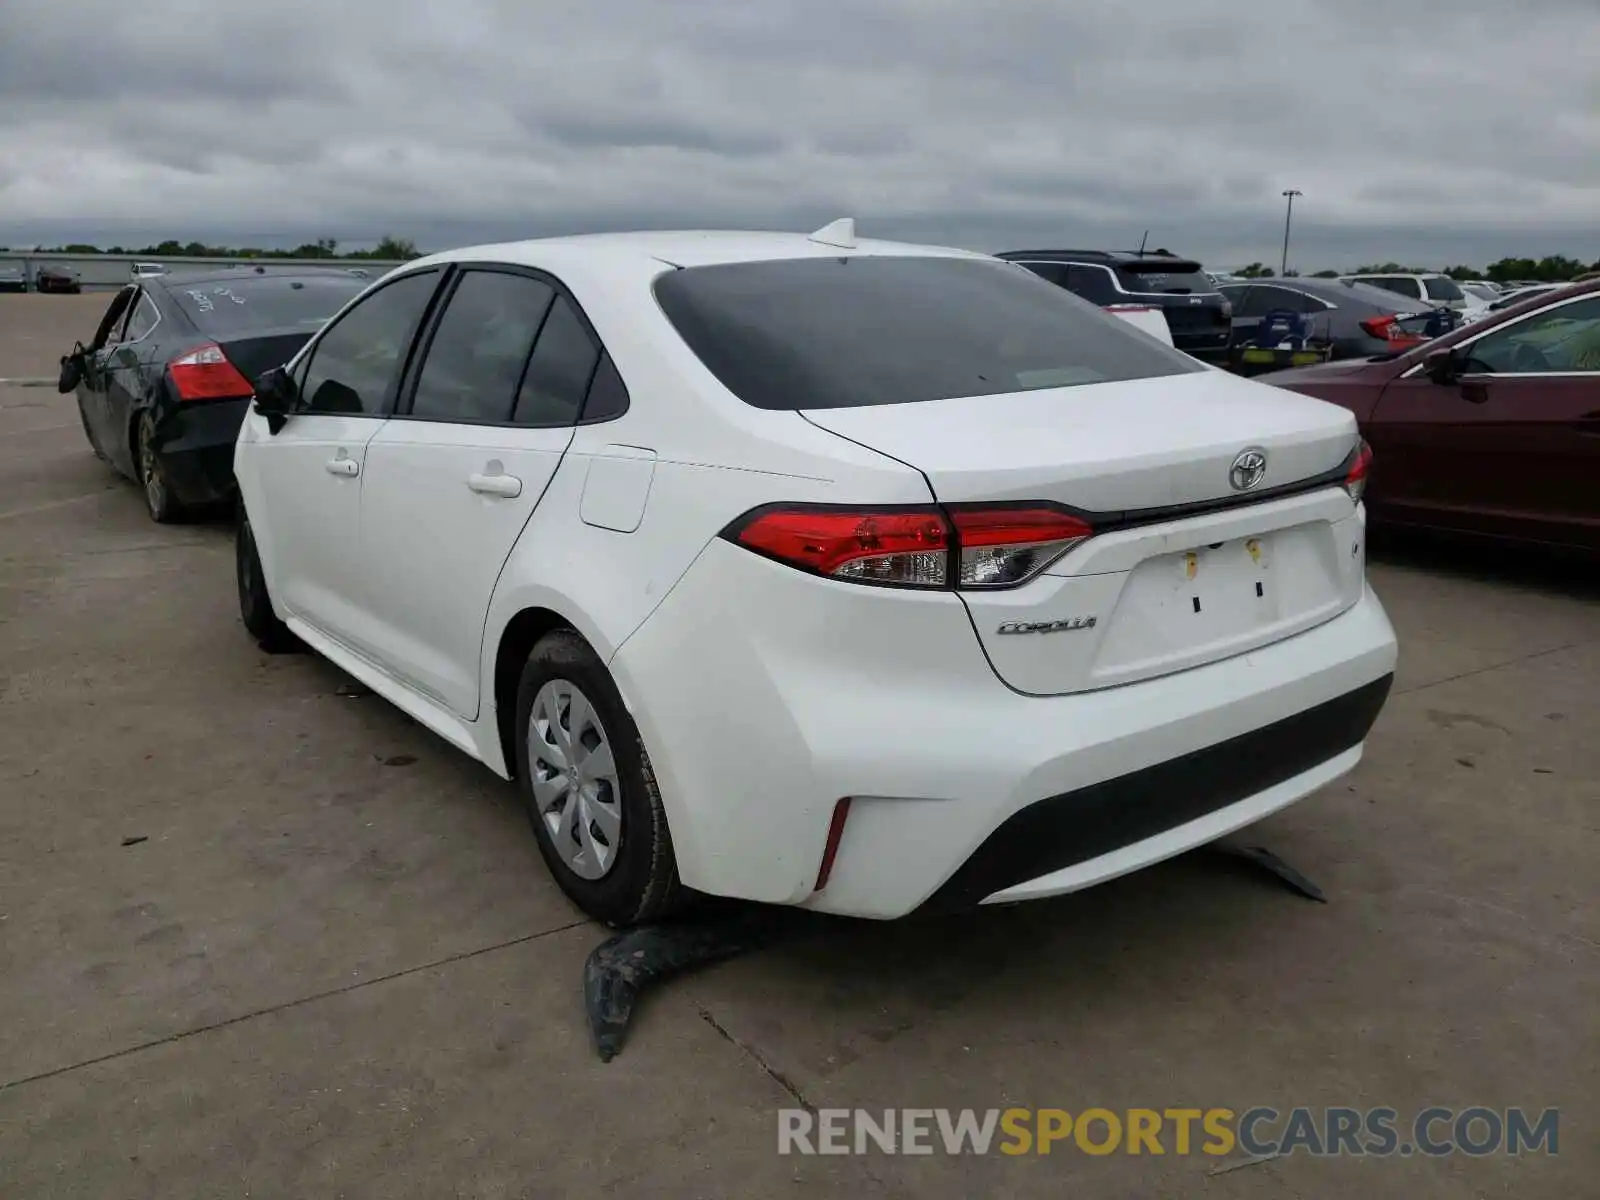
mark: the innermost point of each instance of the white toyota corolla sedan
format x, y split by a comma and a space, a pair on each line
856, 575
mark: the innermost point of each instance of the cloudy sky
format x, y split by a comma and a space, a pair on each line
1433, 130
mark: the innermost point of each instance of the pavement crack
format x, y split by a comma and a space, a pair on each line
1510, 662
755, 1056
288, 1004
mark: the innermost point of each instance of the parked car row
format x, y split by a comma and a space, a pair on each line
734, 550
50, 278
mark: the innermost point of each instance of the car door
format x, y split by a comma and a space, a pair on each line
127, 366
1510, 446
308, 473
454, 477
95, 376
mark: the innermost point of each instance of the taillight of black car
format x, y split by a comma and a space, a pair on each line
205, 373
964, 546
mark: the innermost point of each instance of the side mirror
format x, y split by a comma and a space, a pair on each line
275, 397
1441, 366
71, 372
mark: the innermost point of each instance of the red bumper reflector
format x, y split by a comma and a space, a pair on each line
841, 812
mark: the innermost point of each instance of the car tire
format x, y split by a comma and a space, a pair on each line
164, 507
612, 853
255, 602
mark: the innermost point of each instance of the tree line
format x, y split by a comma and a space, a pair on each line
1553, 268
388, 249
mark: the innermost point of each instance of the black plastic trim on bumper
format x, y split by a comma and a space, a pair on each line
1075, 827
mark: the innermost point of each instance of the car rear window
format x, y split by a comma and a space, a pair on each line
223, 307
1168, 278
868, 330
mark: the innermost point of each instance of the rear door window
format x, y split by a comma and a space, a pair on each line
480, 347
146, 316
864, 330
564, 361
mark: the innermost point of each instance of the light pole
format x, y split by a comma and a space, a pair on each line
1283, 267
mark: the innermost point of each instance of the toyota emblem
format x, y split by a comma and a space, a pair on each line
1248, 470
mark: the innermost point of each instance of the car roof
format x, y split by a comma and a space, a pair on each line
1109, 257
181, 276
679, 248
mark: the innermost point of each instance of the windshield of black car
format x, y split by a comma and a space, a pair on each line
222, 307
1166, 279
869, 330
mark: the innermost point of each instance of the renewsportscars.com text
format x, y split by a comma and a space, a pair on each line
1259, 1131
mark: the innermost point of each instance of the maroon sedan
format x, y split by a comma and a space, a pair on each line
1492, 429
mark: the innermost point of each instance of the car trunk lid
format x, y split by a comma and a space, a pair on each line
1185, 567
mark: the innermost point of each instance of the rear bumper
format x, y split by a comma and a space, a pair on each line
1068, 841
197, 449
765, 696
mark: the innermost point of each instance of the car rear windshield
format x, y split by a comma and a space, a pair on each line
229, 307
868, 330
1167, 278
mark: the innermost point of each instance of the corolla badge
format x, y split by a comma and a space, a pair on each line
1060, 626
1248, 470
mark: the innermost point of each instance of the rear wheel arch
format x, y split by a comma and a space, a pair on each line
517, 641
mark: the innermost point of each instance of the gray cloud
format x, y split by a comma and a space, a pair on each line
1450, 125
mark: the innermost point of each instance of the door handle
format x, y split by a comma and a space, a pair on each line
508, 486
343, 466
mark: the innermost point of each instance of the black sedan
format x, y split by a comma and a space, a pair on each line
1348, 320
163, 387
57, 278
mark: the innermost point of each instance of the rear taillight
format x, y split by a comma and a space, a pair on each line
965, 546
999, 547
1355, 480
1385, 329
206, 374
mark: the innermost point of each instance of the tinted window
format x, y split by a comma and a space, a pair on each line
1442, 287
867, 330
1173, 278
1398, 284
480, 346
1293, 301
608, 395
223, 308
558, 375
144, 318
109, 331
1561, 339
1056, 273
1259, 300
356, 361
1092, 283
